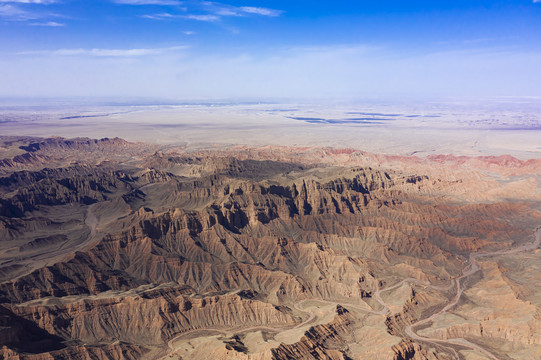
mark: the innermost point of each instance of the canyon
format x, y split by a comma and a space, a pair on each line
112, 249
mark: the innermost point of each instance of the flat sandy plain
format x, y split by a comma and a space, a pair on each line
487, 127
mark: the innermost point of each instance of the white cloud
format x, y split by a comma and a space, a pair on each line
148, 2
44, 2
160, 16
261, 11
48, 23
226, 12
229, 10
206, 17
212, 11
14, 13
105, 52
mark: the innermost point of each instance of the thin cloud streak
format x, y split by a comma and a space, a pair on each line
42, 2
48, 24
14, 13
105, 52
260, 11
207, 17
148, 2
160, 16
19, 13
230, 10
168, 16
214, 11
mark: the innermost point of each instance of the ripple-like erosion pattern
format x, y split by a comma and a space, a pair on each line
116, 250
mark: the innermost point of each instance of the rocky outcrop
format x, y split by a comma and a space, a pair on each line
113, 259
328, 341
26, 191
150, 317
24, 335
408, 350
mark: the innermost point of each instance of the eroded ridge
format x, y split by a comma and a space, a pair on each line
269, 253
469, 270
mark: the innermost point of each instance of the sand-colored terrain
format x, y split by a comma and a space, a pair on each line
119, 250
486, 127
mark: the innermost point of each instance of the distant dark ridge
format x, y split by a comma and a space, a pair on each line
76, 143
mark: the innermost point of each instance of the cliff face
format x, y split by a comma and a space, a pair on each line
329, 341
149, 317
212, 255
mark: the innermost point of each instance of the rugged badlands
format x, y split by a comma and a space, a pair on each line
117, 250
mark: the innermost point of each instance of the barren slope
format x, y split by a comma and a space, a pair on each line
118, 250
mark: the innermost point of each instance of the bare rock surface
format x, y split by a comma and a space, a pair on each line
119, 250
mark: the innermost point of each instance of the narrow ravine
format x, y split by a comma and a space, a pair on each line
469, 270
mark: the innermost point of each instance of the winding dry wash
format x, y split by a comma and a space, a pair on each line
469, 270
120, 250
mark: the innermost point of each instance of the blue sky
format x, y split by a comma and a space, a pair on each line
203, 49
